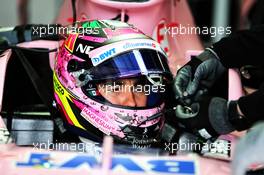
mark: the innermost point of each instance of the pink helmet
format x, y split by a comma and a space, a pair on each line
108, 51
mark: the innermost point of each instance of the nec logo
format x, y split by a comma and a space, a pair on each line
84, 49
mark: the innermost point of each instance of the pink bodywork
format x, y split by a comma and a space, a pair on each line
157, 14
11, 154
4, 58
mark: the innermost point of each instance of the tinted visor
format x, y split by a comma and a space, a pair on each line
131, 64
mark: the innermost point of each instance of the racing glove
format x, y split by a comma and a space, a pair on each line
198, 75
207, 118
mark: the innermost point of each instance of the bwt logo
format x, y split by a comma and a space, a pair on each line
146, 166
84, 49
103, 56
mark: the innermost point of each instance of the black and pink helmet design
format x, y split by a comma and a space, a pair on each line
103, 51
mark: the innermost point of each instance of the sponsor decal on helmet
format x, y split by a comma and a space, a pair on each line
64, 96
84, 48
103, 56
120, 47
102, 124
58, 88
91, 24
70, 42
130, 45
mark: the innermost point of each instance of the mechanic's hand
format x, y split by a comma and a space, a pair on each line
198, 74
206, 118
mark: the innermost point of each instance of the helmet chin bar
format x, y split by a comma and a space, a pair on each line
142, 140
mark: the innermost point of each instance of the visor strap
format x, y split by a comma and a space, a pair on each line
155, 76
140, 62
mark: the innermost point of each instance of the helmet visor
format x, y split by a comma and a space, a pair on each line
131, 64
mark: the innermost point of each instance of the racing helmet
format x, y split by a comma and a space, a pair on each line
103, 51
